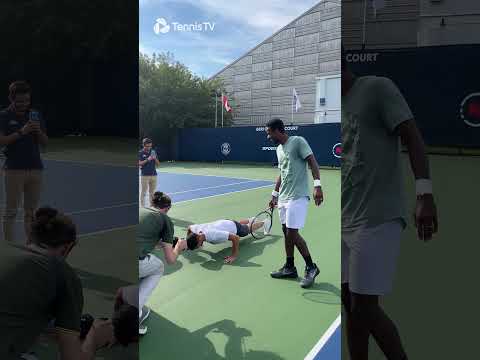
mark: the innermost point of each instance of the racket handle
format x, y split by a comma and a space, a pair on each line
175, 241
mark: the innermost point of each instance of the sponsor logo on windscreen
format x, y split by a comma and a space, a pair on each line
470, 110
226, 149
287, 128
362, 58
337, 150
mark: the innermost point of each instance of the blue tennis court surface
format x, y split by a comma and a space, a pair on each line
185, 187
98, 197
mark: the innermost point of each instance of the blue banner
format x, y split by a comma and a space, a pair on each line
441, 85
250, 144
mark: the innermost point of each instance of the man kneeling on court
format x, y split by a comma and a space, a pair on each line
221, 231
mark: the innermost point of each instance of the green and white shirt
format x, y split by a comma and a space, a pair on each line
292, 162
372, 175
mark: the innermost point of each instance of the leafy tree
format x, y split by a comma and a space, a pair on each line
172, 97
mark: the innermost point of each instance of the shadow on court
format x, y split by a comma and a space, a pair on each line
249, 248
101, 283
180, 343
324, 293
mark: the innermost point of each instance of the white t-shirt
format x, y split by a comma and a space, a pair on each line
215, 232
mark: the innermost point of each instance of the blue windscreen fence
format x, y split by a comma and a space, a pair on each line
441, 85
250, 144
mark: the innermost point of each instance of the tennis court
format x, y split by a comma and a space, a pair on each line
205, 309
96, 191
434, 289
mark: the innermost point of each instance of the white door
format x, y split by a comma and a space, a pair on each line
328, 99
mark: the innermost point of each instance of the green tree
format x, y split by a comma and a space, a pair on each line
172, 97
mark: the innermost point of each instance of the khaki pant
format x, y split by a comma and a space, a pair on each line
17, 183
149, 184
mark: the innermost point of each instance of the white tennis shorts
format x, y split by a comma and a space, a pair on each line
293, 213
369, 257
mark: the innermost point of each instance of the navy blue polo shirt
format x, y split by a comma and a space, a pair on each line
24, 153
149, 168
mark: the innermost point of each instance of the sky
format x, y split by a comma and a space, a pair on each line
238, 26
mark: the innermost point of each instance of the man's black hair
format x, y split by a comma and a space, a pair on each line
147, 141
276, 124
192, 241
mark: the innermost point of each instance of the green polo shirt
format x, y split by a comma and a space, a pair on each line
372, 174
36, 288
292, 162
153, 226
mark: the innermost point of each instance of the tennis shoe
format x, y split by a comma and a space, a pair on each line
310, 275
285, 273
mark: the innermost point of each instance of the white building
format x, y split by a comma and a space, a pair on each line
305, 56
410, 23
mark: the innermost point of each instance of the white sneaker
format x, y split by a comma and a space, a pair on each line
29, 356
142, 329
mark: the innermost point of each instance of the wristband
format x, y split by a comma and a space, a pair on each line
275, 193
317, 183
423, 186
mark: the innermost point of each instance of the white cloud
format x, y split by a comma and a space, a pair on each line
268, 16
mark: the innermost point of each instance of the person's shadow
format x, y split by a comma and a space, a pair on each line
180, 343
324, 293
101, 283
249, 248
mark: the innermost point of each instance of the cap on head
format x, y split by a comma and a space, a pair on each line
147, 141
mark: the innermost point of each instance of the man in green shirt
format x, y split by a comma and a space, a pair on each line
154, 230
375, 121
292, 195
39, 287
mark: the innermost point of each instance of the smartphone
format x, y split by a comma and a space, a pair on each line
34, 116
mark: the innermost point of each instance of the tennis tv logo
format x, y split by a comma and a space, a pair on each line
161, 26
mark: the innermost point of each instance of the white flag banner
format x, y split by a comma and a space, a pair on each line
378, 4
296, 100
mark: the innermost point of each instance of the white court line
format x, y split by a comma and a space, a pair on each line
323, 340
227, 193
106, 231
211, 187
102, 208
216, 176
87, 210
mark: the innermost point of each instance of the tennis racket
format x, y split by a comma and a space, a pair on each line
261, 224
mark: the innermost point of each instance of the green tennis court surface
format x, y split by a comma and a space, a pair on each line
435, 294
205, 309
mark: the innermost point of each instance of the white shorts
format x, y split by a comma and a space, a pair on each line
293, 213
369, 257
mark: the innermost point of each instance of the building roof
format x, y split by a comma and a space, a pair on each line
289, 25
